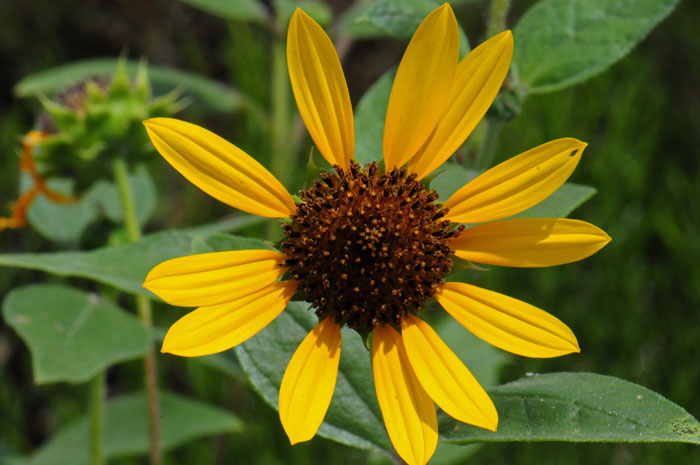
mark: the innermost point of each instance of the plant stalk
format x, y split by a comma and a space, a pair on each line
498, 12
143, 306
97, 386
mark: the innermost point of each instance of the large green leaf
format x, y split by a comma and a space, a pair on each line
125, 266
562, 42
579, 407
558, 205
126, 429
243, 10
72, 334
214, 95
353, 417
369, 119
394, 18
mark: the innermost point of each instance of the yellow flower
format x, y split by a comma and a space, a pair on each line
367, 248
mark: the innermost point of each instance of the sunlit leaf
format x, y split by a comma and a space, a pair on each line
126, 429
579, 407
560, 42
72, 334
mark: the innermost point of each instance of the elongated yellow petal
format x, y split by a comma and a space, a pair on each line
516, 184
219, 168
422, 86
214, 278
320, 89
209, 330
409, 414
530, 242
444, 377
507, 323
477, 82
309, 380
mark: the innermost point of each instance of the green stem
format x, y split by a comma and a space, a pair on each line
143, 305
498, 11
283, 157
97, 386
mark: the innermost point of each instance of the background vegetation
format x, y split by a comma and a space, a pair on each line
634, 306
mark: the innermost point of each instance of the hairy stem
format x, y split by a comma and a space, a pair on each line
143, 306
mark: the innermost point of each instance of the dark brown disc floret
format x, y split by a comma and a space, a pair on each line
368, 247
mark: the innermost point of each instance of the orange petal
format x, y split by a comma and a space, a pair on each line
516, 184
422, 86
530, 242
209, 330
309, 380
444, 377
219, 168
320, 89
408, 412
507, 323
477, 82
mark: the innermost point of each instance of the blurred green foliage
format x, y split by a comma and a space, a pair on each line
633, 305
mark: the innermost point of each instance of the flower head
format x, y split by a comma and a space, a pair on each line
369, 247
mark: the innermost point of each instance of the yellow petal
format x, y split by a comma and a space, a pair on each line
320, 89
214, 278
422, 86
219, 168
477, 82
409, 414
209, 330
444, 377
516, 184
530, 242
507, 323
309, 380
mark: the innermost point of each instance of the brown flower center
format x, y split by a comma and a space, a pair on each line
366, 248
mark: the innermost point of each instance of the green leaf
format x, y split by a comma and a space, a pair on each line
395, 18
559, 43
243, 10
214, 95
579, 407
63, 223
71, 334
353, 417
125, 266
369, 120
126, 429
558, 205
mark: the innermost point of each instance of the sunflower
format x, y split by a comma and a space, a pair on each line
369, 246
